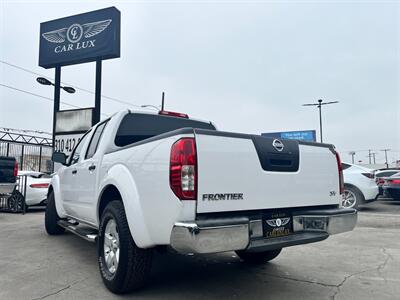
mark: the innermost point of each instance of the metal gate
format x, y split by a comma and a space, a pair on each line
33, 153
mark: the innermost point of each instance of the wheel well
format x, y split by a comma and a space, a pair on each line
356, 188
110, 193
50, 190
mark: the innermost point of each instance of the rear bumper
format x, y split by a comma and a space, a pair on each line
222, 235
370, 193
393, 192
6, 188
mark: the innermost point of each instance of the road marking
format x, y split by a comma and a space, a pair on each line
378, 215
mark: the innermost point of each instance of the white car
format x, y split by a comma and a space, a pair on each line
359, 185
37, 184
138, 181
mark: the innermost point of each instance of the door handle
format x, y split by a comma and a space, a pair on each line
92, 167
74, 171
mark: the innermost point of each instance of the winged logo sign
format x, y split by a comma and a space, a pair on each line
75, 32
80, 38
278, 222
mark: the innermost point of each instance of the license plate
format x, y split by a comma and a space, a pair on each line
277, 224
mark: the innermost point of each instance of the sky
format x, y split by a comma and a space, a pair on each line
248, 66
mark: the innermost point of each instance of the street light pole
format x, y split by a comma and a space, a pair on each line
57, 91
319, 105
44, 81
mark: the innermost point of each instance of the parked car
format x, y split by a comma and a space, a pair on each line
136, 182
359, 185
391, 186
380, 177
37, 184
8, 174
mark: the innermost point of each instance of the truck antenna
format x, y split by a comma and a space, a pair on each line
162, 101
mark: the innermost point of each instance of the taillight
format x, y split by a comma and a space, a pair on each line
369, 175
183, 169
340, 170
380, 181
394, 181
15, 169
39, 185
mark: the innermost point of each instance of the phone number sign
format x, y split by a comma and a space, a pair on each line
66, 143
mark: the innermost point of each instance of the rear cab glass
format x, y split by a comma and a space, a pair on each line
136, 127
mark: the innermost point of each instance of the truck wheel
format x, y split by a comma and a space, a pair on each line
124, 266
15, 202
51, 217
258, 257
352, 197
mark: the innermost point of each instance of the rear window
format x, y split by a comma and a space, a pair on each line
345, 166
137, 127
386, 174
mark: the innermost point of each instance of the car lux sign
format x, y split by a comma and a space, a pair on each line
80, 38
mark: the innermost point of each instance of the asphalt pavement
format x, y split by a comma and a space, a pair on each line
362, 264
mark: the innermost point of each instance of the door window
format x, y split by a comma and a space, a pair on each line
77, 151
95, 140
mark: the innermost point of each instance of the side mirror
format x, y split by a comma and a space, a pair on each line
59, 157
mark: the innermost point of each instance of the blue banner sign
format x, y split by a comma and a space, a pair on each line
80, 38
305, 135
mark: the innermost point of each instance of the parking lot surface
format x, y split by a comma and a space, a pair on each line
363, 264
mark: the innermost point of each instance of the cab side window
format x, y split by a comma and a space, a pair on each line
77, 151
95, 140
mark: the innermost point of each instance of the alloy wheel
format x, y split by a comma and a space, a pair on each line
349, 199
111, 246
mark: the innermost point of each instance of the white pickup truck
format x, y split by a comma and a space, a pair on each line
139, 181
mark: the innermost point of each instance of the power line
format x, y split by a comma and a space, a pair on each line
69, 84
40, 96
37, 95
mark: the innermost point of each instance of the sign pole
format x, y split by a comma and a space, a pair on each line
57, 88
97, 102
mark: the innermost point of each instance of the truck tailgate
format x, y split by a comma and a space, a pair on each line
7, 169
246, 172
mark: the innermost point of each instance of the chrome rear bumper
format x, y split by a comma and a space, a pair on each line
6, 188
220, 235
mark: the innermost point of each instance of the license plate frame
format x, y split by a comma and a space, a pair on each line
277, 224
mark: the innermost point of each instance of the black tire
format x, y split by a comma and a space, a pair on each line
15, 202
357, 194
51, 217
134, 263
258, 257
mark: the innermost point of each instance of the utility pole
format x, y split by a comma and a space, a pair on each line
369, 155
352, 153
373, 155
319, 105
386, 159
